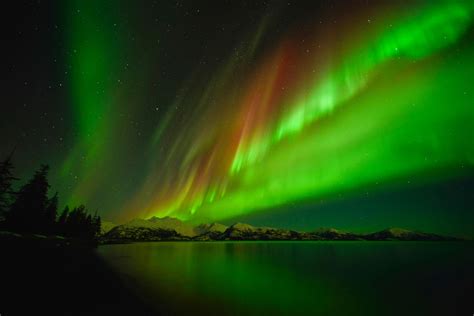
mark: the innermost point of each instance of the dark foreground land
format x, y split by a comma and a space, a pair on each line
38, 279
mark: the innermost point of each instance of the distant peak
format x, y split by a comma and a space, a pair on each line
210, 228
155, 219
397, 231
242, 226
328, 230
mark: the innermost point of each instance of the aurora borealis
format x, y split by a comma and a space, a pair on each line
212, 112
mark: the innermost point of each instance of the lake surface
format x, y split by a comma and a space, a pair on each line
317, 278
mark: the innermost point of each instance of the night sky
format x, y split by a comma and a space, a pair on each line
352, 114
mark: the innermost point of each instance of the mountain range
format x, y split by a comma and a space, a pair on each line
168, 228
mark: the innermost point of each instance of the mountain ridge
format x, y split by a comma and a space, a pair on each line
169, 229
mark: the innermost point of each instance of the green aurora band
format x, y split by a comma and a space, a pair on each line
372, 102
93, 60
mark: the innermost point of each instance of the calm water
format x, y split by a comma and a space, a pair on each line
337, 278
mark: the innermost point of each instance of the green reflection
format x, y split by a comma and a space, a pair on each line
318, 278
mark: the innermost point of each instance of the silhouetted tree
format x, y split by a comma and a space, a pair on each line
33, 212
61, 222
50, 214
27, 213
78, 223
6, 181
97, 223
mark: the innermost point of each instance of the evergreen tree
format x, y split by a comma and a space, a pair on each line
61, 223
6, 180
27, 211
33, 212
79, 224
76, 222
97, 225
51, 212
64, 214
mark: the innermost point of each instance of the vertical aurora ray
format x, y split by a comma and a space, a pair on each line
293, 135
93, 62
323, 109
421, 35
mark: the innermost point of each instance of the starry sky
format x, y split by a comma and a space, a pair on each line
296, 114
